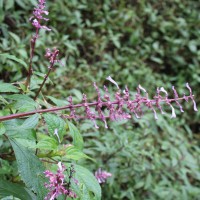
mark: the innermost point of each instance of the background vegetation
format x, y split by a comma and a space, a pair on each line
149, 42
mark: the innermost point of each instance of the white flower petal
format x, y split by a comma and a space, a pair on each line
112, 81
173, 112
141, 88
163, 90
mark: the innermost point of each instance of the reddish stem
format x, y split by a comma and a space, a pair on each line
47, 75
19, 115
32, 50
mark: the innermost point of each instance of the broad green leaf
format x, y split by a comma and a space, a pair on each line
2, 129
86, 194
30, 168
15, 129
16, 190
77, 137
88, 184
28, 143
54, 122
7, 87
11, 57
75, 154
22, 102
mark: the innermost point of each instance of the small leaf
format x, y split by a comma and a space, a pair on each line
58, 102
3, 100
7, 87
78, 94
16, 190
77, 137
11, 57
31, 122
30, 168
54, 122
47, 143
75, 154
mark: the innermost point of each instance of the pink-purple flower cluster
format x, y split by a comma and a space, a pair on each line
38, 13
52, 55
123, 106
101, 176
57, 185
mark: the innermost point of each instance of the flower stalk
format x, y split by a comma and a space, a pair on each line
36, 19
52, 58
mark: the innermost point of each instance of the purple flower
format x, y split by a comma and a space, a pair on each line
38, 15
101, 176
56, 185
52, 55
191, 97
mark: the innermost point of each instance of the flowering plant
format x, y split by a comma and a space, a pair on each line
36, 131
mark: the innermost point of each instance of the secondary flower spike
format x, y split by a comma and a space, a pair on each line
57, 185
101, 176
38, 13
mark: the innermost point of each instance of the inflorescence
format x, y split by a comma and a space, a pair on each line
102, 176
118, 109
122, 107
57, 184
37, 17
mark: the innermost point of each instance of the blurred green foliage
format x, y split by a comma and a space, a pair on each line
153, 43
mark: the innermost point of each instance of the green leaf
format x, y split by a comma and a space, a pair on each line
48, 143
77, 137
75, 154
18, 128
2, 129
5, 168
31, 122
9, 4
16, 190
3, 100
30, 168
11, 57
16, 125
57, 102
22, 102
55, 122
7, 87
88, 184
